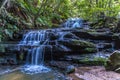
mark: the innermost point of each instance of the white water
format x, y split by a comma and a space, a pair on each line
35, 57
34, 69
73, 23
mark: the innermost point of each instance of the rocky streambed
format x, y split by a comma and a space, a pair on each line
59, 73
68, 51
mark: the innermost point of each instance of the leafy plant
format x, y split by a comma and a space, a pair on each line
26, 14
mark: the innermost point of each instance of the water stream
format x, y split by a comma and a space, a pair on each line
36, 42
35, 56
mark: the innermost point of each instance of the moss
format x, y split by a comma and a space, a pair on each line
83, 43
97, 33
90, 50
2, 48
94, 61
100, 59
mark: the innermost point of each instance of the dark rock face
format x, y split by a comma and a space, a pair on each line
53, 36
117, 29
8, 54
94, 35
116, 38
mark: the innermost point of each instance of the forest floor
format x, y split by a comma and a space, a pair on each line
93, 73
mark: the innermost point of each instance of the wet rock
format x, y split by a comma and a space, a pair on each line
17, 36
86, 59
117, 29
114, 61
104, 45
116, 38
11, 48
79, 45
70, 69
2, 48
103, 30
92, 34
101, 36
56, 52
53, 36
8, 59
90, 50
62, 65
82, 43
70, 36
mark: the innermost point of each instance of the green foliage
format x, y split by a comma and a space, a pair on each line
94, 9
26, 14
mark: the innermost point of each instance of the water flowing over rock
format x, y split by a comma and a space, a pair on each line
51, 43
75, 23
37, 46
35, 56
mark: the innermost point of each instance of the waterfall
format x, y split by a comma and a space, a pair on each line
73, 23
35, 56
37, 42
76, 23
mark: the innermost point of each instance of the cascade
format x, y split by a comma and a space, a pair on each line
35, 56
36, 41
73, 23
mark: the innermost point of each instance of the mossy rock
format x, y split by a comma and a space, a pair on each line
89, 61
113, 62
82, 43
116, 36
2, 48
115, 58
90, 50
79, 46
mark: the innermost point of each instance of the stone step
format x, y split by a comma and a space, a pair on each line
87, 59
6, 46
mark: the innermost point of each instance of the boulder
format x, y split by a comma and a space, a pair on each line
70, 69
114, 61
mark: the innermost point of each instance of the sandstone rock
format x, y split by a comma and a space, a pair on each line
114, 61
